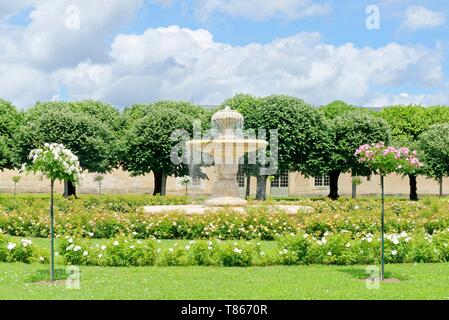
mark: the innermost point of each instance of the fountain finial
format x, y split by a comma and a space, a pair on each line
227, 119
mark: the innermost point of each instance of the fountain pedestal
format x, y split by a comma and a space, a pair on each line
225, 191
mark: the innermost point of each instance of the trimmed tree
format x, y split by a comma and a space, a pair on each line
10, 122
407, 123
434, 151
337, 108
348, 131
147, 143
94, 141
103, 113
302, 135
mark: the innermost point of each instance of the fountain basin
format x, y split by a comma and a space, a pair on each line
230, 149
226, 153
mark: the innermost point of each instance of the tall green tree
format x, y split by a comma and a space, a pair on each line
433, 146
92, 136
337, 108
348, 131
407, 123
148, 143
301, 134
10, 121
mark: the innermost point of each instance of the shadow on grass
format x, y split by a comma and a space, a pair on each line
44, 275
361, 273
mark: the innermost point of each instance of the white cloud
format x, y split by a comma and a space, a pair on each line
417, 17
262, 9
32, 53
47, 43
179, 63
24, 85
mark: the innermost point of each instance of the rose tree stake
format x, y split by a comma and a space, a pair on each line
54, 162
384, 160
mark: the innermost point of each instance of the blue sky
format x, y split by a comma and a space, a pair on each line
204, 51
345, 23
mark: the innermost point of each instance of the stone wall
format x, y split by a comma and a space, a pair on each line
119, 182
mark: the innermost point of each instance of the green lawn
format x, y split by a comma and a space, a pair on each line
420, 281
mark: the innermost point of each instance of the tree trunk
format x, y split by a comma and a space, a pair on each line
52, 234
413, 189
441, 186
354, 191
382, 228
261, 193
69, 189
160, 183
333, 184
248, 186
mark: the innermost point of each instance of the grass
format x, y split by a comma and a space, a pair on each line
44, 275
417, 281
422, 281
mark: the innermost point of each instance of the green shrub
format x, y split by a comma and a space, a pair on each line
16, 251
237, 254
422, 249
120, 252
293, 249
173, 256
199, 253
3, 250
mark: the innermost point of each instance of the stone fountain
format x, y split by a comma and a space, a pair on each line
226, 148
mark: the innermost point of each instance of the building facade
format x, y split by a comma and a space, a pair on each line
287, 184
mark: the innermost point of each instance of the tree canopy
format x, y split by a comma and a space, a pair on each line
91, 139
337, 108
301, 132
434, 150
10, 121
147, 141
407, 123
349, 130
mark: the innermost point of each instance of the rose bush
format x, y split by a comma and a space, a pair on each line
298, 249
13, 250
95, 217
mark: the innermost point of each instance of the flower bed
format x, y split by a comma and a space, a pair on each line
299, 249
109, 217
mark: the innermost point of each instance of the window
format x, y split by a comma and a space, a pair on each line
280, 181
195, 182
241, 180
322, 181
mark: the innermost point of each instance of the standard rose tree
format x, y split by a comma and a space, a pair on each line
54, 162
385, 160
